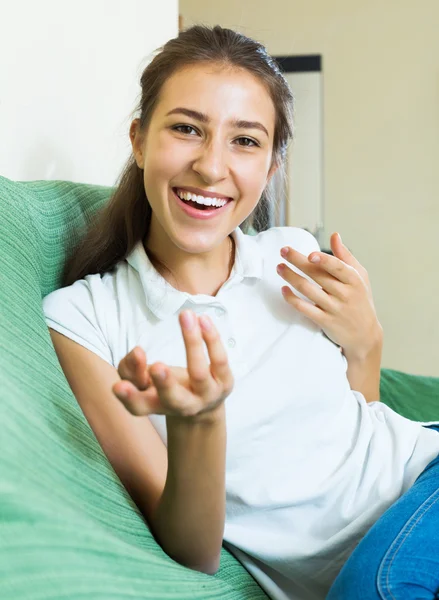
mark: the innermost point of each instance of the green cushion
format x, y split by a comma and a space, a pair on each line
413, 396
68, 528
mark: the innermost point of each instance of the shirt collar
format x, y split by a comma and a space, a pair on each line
163, 299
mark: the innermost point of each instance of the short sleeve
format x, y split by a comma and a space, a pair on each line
301, 240
78, 311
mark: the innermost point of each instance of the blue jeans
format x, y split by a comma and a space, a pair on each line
398, 558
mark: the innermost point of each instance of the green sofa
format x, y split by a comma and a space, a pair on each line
68, 529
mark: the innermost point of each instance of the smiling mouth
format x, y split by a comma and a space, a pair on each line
199, 202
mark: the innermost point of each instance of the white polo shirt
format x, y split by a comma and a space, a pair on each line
310, 465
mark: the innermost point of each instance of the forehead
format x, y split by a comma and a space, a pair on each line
220, 92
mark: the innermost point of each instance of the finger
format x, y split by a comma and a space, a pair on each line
320, 290
315, 313
164, 396
175, 399
219, 362
339, 269
307, 290
133, 367
330, 264
180, 373
197, 365
336, 244
342, 252
138, 403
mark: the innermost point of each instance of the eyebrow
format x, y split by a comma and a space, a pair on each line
203, 118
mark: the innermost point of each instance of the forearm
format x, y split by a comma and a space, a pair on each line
364, 371
189, 519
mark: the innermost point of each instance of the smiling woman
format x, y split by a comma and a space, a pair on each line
224, 110
220, 397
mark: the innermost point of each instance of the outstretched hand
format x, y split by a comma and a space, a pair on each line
175, 391
344, 307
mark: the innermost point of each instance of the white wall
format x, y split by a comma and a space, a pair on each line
69, 80
305, 203
381, 137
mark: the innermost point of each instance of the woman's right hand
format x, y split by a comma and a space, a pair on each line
192, 393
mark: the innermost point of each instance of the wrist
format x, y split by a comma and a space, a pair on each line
211, 417
371, 351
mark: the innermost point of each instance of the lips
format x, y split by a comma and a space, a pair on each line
203, 193
197, 213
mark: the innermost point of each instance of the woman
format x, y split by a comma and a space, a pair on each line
173, 334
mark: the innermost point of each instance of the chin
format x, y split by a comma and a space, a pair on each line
196, 242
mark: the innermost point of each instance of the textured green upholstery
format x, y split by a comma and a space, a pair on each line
68, 529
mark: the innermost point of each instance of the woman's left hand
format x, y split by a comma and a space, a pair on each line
344, 307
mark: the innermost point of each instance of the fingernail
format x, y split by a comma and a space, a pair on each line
188, 320
205, 322
160, 373
339, 237
284, 251
133, 360
315, 258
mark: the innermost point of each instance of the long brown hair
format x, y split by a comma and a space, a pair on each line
125, 218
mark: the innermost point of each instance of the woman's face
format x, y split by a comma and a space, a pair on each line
211, 134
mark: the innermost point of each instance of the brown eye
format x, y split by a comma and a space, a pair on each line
186, 129
248, 142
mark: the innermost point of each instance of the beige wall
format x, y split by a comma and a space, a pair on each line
381, 129
69, 82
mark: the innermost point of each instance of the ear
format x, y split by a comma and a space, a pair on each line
274, 167
137, 142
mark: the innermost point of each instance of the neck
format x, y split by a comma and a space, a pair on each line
203, 273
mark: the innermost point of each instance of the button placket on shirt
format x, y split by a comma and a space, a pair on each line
219, 316
231, 341
221, 320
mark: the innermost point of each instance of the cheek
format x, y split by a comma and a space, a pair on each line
162, 163
253, 177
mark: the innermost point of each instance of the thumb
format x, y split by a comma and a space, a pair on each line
341, 252
344, 254
139, 362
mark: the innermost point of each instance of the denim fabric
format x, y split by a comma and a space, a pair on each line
398, 558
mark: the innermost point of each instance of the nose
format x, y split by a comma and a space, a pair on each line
211, 163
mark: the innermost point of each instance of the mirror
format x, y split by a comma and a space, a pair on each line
300, 193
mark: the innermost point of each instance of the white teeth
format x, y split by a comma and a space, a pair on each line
201, 199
